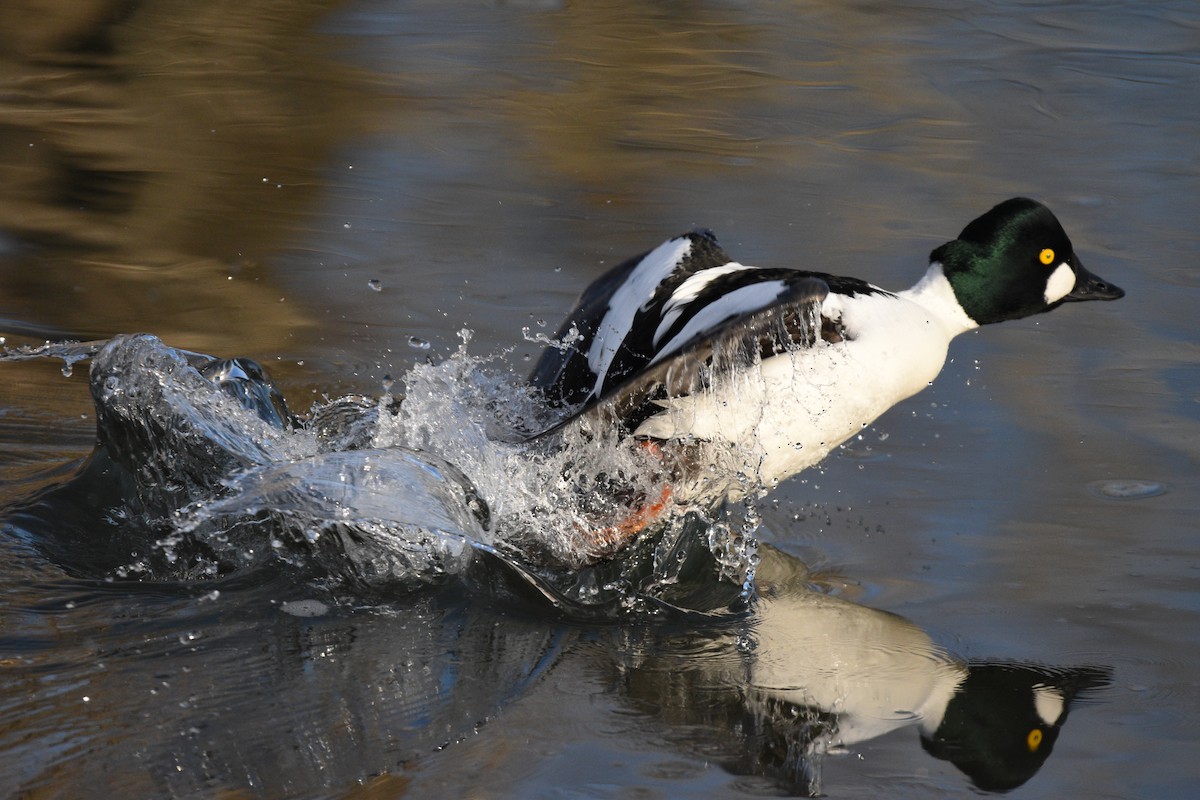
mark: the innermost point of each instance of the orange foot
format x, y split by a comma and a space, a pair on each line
613, 537
604, 541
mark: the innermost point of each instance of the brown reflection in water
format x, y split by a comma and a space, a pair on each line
633, 87
153, 154
630, 90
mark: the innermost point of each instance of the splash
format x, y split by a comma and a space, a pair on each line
596, 517
173, 430
71, 352
375, 518
385, 493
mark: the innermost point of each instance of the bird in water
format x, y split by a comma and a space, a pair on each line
731, 374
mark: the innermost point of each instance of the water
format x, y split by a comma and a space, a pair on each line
239, 183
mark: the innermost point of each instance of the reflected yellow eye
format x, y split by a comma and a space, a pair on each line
1034, 739
1046, 256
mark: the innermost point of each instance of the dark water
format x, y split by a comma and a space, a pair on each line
233, 178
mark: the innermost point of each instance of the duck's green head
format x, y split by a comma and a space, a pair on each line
1016, 261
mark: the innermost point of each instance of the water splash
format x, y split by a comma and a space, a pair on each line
377, 518
71, 353
384, 493
547, 495
175, 432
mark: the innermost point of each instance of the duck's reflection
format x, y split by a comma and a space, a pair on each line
806, 673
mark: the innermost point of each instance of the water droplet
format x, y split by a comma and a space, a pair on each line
375, 284
417, 343
1126, 489
304, 608
67, 369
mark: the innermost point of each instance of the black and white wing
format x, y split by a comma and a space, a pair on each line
683, 300
604, 336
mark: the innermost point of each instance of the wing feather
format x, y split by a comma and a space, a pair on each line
603, 338
653, 326
704, 303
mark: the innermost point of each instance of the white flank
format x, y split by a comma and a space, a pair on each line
1061, 282
634, 293
797, 406
739, 302
688, 291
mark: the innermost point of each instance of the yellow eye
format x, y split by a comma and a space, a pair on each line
1034, 739
1046, 256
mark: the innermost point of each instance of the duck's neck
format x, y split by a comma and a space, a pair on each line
934, 293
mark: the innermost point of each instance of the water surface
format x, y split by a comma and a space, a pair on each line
337, 189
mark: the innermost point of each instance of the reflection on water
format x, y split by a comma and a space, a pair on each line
179, 687
808, 674
330, 181
190, 690
155, 155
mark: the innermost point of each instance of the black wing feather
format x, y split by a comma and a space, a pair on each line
562, 372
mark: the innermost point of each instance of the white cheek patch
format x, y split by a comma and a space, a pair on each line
1061, 282
1049, 703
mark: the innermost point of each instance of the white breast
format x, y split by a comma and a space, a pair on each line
791, 410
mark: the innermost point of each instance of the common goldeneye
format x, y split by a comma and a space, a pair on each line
819, 673
687, 348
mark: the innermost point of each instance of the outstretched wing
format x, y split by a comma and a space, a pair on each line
604, 336
647, 324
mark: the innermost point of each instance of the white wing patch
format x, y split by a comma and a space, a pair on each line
739, 302
1061, 282
633, 294
688, 291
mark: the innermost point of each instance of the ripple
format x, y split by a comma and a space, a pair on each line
863, 453
674, 770
1126, 489
1151, 693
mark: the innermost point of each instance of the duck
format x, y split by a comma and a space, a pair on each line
809, 673
733, 370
